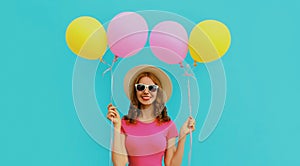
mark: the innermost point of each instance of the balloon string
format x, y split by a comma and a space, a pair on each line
110, 66
191, 136
112, 120
111, 100
190, 111
102, 61
111, 143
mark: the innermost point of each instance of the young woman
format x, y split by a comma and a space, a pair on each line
147, 135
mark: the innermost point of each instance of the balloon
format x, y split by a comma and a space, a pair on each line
127, 34
209, 41
86, 37
168, 42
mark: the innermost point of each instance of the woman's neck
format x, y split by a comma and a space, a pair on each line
146, 113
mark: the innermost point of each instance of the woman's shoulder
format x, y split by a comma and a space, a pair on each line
170, 121
167, 124
123, 121
126, 122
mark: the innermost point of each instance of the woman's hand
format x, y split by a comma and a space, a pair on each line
114, 116
189, 125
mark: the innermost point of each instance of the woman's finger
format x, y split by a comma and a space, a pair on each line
192, 123
113, 108
112, 118
193, 128
191, 120
112, 113
109, 105
115, 111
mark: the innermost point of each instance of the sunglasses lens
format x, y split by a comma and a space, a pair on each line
140, 87
152, 88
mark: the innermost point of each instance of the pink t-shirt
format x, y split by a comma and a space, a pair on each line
146, 142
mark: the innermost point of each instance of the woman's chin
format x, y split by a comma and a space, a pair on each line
146, 102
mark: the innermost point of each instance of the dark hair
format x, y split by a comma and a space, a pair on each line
160, 110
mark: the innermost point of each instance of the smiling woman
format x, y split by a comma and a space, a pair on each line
147, 134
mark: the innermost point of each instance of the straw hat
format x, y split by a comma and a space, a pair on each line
132, 74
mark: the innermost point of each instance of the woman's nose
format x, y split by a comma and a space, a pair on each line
146, 90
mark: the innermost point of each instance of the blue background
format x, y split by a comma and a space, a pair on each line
260, 123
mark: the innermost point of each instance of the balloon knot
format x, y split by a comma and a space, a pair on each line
115, 58
181, 65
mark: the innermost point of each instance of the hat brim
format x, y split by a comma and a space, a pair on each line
164, 79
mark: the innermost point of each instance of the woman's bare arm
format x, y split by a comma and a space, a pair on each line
173, 154
119, 153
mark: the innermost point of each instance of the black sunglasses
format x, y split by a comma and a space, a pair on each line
142, 87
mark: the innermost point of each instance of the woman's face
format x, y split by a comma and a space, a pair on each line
146, 97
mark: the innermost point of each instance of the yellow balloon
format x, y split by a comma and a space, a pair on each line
86, 37
209, 41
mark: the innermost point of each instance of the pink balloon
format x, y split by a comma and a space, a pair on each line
127, 34
168, 42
